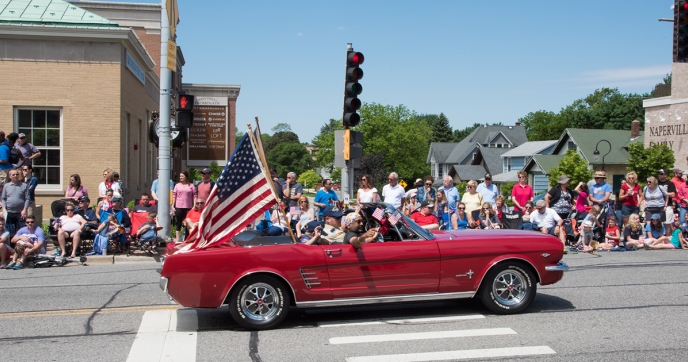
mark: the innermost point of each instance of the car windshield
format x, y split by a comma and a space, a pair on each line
411, 224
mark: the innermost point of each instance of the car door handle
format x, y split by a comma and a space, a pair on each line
330, 251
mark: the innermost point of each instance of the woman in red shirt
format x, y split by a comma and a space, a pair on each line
522, 192
630, 196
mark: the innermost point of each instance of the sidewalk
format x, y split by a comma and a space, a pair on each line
136, 256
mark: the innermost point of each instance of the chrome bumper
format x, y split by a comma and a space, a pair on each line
163, 284
561, 267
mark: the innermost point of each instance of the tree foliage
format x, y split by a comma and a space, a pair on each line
573, 166
646, 161
505, 190
309, 179
280, 138
281, 127
373, 165
606, 108
441, 130
396, 131
289, 157
459, 135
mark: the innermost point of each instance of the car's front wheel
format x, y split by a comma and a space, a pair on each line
508, 288
259, 302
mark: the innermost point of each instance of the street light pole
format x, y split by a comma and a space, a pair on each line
597, 152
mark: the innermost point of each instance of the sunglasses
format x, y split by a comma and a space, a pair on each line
428, 184
24, 169
68, 210
462, 208
200, 203
30, 222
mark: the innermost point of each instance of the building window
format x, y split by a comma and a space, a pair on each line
43, 129
440, 173
572, 145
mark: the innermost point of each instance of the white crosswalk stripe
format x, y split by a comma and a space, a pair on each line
166, 335
422, 335
456, 355
400, 321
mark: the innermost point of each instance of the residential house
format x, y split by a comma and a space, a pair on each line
516, 159
475, 155
612, 159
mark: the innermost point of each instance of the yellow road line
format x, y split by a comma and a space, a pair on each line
72, 312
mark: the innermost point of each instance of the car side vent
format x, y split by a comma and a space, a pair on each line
309, 278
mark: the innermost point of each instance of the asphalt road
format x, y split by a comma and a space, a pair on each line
630, 306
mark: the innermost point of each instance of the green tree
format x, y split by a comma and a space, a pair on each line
373, 165
573, 166
281, 127
309, 179
441, 130
543, 125
336, 175
289, 157
646, 161
505, 190
280, 138
239, 136
606, 108
396, 132
459, 135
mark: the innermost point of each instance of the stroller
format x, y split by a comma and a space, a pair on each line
46, 261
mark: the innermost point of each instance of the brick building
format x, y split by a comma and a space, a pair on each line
82, 87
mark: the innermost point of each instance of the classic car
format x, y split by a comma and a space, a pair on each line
260, 277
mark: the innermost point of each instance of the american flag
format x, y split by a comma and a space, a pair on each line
395, 217
295, 211
378, 214
242, 193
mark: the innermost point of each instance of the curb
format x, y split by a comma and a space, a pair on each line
119, 258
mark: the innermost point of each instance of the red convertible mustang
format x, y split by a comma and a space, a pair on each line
260, 277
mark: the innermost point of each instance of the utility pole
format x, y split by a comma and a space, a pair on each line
164, 135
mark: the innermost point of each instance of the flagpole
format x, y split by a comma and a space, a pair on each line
272, 184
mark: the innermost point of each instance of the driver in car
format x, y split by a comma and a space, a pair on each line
355, 231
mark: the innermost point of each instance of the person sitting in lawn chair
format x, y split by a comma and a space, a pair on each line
147, 233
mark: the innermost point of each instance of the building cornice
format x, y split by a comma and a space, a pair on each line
75, 33
213, 90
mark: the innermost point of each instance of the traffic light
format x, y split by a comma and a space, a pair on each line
185, 104
352, 89
680, 31
353, 150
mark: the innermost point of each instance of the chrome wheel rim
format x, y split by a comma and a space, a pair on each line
509, 287
260, 301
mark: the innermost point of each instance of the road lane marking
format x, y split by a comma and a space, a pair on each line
71, 312
400, 321
455, 355
166, 335
422, 335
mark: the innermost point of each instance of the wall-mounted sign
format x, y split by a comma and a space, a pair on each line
135, 68
208, 137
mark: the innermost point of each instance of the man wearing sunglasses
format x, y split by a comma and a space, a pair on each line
193, 217
29, 240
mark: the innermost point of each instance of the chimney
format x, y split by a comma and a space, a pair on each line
518, 123
635, 129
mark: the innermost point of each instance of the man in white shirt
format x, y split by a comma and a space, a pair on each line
548, 221
393, 192
488, 190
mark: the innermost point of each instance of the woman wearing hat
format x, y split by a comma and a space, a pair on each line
561, 198
654, 235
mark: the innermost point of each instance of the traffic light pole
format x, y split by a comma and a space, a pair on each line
164, 135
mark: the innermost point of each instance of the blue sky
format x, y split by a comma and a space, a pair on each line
474, 61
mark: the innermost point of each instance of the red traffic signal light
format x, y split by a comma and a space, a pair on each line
352, 88
185, 102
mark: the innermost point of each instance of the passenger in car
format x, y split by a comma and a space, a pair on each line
355, 232
424, 218
332, 233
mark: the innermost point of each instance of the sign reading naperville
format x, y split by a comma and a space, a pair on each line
208, 136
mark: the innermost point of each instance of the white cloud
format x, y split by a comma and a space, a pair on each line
625, 74
299, 34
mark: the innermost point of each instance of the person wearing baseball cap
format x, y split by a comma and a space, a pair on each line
332, 232
548, 221
206, 185
29, 151
488, 190
424, 218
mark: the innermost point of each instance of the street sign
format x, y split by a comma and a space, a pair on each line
172, 55
402, 183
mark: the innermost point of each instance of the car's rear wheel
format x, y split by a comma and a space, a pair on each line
259, 302
508, 288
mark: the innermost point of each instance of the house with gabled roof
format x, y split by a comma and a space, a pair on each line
614, 159
454, 158
515, 159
